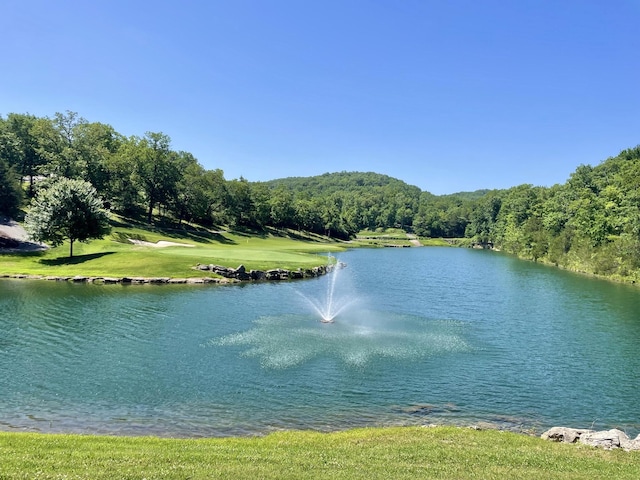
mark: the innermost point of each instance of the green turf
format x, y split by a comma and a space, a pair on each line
390, 453
115, 256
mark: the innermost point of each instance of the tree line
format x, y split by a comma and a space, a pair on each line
590, 223
143, 176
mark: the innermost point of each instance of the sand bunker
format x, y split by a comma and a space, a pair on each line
160, 244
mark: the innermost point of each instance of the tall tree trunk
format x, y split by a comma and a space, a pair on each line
70, 247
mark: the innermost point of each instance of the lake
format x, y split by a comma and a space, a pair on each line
424, 335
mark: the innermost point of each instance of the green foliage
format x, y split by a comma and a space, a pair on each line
10, 191
67, 209
10, 158
591, 223
341, 204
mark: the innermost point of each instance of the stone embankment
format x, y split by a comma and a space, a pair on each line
607, 439
242, 274
226, 275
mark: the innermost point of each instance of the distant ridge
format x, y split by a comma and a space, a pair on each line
342, 181
354, 181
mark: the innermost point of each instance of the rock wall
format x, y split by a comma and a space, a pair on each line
229, 275
241, 273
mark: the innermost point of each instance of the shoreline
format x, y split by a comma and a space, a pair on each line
227, 276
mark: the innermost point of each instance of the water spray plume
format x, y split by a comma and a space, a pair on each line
330, 306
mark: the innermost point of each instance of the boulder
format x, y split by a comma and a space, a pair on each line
564, 434
159, 280
607, 439
257, 275
297, 274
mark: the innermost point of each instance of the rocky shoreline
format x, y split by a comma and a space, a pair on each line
607, 439
227, 275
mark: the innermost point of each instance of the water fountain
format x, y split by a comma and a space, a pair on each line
361, 334
330, 305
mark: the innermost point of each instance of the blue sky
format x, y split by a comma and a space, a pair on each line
448, 95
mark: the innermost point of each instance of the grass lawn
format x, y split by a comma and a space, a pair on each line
115, 256
387, 453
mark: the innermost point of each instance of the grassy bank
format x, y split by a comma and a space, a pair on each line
116, 256
408, 452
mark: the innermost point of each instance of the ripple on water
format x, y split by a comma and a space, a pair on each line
287, 341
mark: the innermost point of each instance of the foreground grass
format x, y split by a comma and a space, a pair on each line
406, 452
115, 256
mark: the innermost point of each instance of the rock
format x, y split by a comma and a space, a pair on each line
607, 439
257, 275
273, 274
158, 280
297, 274
633, 444
564, 434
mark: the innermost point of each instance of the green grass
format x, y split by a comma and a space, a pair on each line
383, 232
389, 453
115, 256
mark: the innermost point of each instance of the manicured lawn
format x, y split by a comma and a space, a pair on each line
114, 256
389, 453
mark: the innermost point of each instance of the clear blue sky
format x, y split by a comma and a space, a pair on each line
448, 95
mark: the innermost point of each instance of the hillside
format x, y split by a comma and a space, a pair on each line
342, 182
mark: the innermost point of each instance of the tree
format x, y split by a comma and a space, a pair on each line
67, 209
10, 191
156, 170
28, 160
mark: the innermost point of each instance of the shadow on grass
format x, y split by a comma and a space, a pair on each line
302, 235
73, 260
198, 235
171, 229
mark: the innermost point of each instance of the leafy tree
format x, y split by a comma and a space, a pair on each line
156, 169
28, 160
56, 139
10, 191
240, 204
67, 209
282, 209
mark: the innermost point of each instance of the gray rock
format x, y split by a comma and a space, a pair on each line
607, 439
564, 434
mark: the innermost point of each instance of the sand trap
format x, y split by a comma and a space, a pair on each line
160, 244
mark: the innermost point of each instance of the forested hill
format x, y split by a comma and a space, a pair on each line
329, 183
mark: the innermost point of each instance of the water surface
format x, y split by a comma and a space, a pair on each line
431, 335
